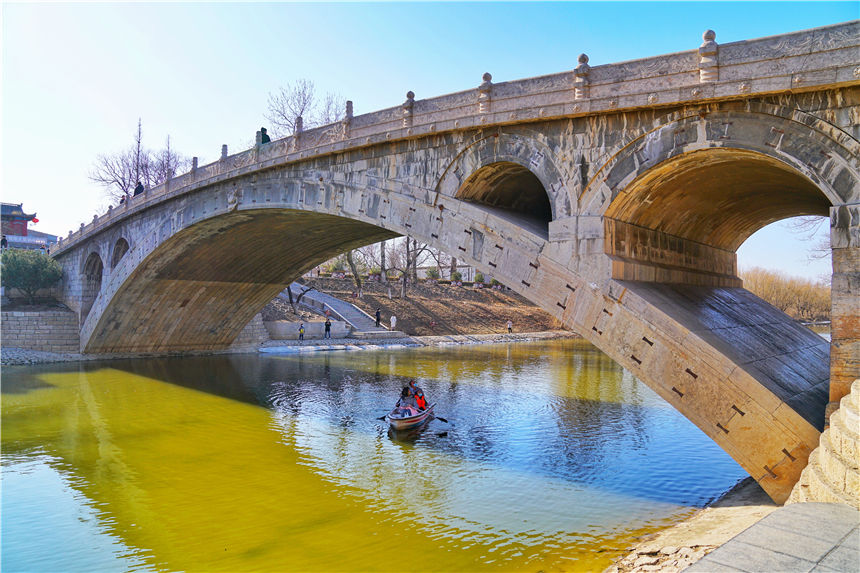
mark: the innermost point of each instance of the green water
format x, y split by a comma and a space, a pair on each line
553, 458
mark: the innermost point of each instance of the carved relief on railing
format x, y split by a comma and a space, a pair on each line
709, 70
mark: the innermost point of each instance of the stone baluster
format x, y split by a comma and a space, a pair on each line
258, 139
580, 80
346, 122
408, 105
709, 66
485, 94
224, 150
297, 133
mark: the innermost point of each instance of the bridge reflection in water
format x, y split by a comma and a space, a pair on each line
554, 458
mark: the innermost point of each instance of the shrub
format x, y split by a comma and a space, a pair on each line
494, 282
29, 271
479, 277
432, 274
456, 276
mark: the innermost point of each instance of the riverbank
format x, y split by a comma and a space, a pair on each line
20, 356
676, 548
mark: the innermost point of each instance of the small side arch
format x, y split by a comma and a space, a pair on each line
120, 248
524, 159
91, 283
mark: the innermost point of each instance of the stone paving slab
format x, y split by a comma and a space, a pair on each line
797, 537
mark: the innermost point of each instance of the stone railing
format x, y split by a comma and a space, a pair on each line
800, 61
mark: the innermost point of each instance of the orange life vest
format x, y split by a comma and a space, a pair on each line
422, 403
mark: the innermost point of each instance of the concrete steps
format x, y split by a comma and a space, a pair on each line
833, 472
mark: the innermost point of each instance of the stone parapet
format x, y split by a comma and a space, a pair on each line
799, 62
47, 330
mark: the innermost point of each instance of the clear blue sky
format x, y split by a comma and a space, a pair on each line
76, 77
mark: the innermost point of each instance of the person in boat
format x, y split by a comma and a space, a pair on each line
418, 395
406, 405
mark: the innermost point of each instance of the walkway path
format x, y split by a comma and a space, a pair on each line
794, 538
340, 309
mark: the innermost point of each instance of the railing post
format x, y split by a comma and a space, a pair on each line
580, 81
297, 133
485, 94
709, 66
347, 120
407, 109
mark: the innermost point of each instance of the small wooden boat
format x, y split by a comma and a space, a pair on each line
400, 422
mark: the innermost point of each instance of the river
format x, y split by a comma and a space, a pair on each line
553, 458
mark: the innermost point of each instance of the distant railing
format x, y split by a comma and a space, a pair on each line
713, 72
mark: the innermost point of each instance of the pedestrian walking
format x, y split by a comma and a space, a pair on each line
393, 322
378, 317
327, 328
301, 331
510, 326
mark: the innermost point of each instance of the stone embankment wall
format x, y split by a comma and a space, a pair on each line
253, 334
58, 331
832, 474
46, 330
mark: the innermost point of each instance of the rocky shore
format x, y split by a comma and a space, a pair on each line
676, 548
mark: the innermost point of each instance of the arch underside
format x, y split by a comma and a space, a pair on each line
511, 191
203, 285
683, 220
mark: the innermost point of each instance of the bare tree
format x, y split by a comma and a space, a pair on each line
166, 164
383, 270
809, 227
404, 260
356, 277
298, 99
120, 172
293, 303
330, 110
287, 104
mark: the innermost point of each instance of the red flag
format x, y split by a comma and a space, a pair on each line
35, 220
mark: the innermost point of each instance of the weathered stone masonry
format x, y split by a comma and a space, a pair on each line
47, 330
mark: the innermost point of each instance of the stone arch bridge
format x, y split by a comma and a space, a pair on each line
613, 196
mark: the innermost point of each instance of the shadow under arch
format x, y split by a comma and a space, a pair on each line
513, 192
200, 287
684, 219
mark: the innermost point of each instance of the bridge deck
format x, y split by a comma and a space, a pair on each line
785, 357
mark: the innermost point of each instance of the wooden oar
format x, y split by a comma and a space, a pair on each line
441, 419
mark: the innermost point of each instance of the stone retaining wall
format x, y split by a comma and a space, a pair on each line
46, 330
253, 334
